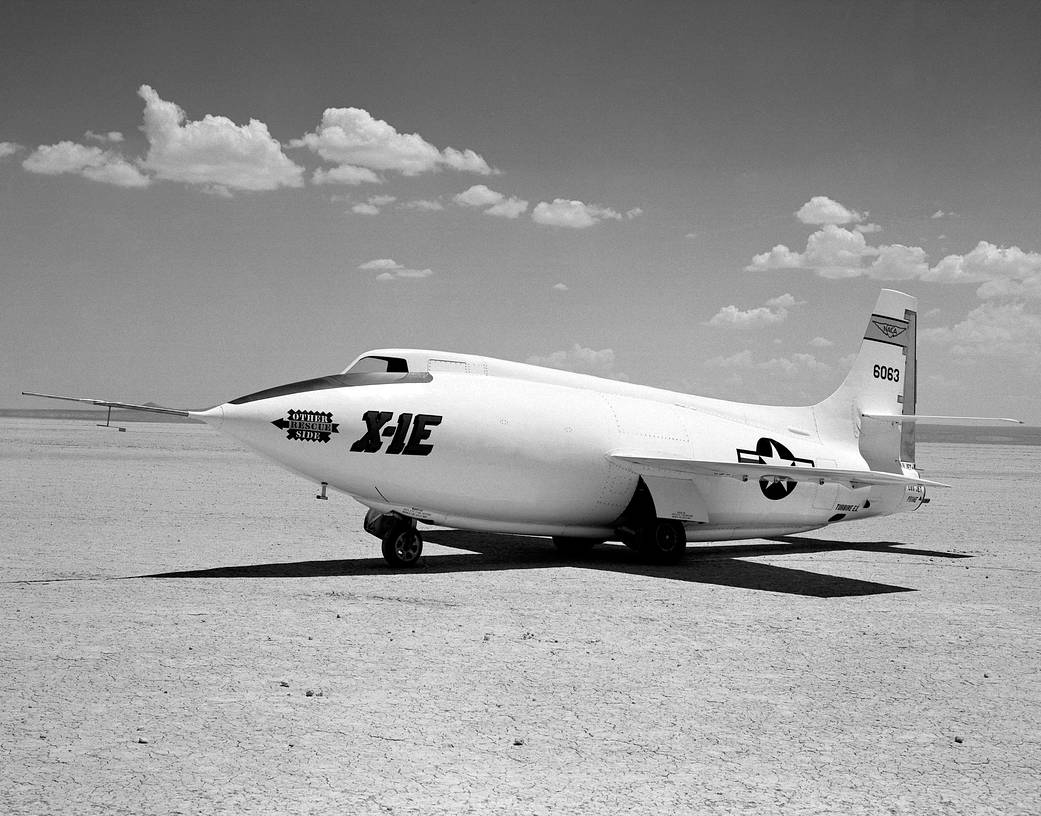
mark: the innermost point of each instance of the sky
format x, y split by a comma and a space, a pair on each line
198, 201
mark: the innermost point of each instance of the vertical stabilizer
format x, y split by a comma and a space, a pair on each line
882, 380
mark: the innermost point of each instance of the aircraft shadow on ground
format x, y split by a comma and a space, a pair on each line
721, 565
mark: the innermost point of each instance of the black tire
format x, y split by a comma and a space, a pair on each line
402, 546
664, 541
574, 547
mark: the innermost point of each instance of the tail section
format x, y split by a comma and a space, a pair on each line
882, 381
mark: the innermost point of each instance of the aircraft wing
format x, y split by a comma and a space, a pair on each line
745, 471
129, 406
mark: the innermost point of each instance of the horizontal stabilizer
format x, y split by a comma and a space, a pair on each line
945, 420
745, 471
154, 409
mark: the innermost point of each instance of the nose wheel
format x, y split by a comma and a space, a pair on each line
402, 546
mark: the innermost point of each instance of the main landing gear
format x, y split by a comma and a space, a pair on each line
660, 540
402, 542
663, 541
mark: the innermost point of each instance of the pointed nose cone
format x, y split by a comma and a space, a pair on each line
211, 416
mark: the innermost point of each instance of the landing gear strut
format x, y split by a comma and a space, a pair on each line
660, 540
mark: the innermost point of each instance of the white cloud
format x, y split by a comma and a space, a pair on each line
732, 317
479, 195
90, 162
392, 270
635, 212
509, 208
382, 200
780, 257
112, 137
991, 330
823, 210
1004, 272
581, 360
938, 214
821, 342
785, 301
345, 174
467, 161
381, 263
365, 209
561, 287
9, 149
497, 204
775, 311
571, 214
213, 150
352, 137
898, 262
836, 252
865, 229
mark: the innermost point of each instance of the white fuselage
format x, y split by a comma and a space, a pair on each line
490, 445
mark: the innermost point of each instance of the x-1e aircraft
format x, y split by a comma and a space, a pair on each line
477, 443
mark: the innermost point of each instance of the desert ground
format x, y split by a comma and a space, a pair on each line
186, 630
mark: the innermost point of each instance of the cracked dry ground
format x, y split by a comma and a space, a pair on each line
186, 631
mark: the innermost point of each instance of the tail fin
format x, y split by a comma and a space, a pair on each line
882, 380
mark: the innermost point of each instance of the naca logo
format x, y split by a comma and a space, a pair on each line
889, 329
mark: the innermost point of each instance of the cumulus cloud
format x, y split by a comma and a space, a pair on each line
836, 252
213, 150
1003, 271
390, 269
352, 138
823, 210
821, 342
497, 204
581, 360
572, 214
775, 311
732, 317
9, 149
561, 287
990, 330
82, 160
345, 174
479, 195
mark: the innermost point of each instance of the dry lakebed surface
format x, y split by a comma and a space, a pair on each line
185, 630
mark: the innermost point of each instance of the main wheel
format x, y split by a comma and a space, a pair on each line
663, 541
574, 547
402, 546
